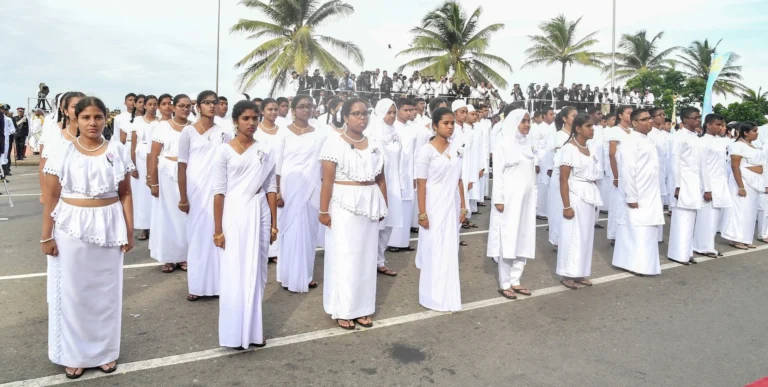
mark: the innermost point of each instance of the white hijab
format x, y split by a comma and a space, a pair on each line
511, 135
378, 128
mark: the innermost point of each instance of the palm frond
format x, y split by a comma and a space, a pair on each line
330, 11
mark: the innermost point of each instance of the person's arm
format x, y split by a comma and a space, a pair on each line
463, 216
125, 196
735, 163
134, 140
421, 173
280, 152
382, 183
219, 185
565, 173
497, 194
326, 191
183, 159
152, 161
705, 173
52, 193
613, 147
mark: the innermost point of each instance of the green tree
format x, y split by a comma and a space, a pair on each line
671, 88
696, 61
742, 111
758, 97
293, 43
558, 44
449, 39
637, 53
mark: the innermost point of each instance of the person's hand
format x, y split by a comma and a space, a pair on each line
127, 247
549, 173
155, 191
480, 175
616, 183
633, 205
742, 192
135, 174
677, 193
500, 207
707, 197
538, 170
462, 218
50, 248
568, 213
273, 235
424, 223
184, 207
469, 186
41, 197
220, 242
325, 219
280, 202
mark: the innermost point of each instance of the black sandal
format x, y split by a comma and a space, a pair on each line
393, 249
312, 285
108, 370
192, 298
369, 325
350, 327
508, 296
182, 266
409, 248
143, 236
572, 284
74, 375
522, 291
262, 345
462, 243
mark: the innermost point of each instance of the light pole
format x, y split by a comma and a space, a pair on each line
613, 42
218, 33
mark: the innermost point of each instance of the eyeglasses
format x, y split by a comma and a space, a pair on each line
184, 107
359, 114
210, 102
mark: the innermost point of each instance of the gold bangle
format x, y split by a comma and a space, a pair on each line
218, 236
464, 211
274, 230
423, 216
279, 196
184, 204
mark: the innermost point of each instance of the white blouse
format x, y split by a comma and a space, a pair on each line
91, 177
53, 143
169, 137
585, 171
190, 141
359, 166
750, 157
143, 130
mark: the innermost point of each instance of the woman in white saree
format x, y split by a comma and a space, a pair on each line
266, 134
440, 195
244, 209
298, 183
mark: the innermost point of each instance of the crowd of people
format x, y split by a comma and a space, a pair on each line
219, 195
536, 97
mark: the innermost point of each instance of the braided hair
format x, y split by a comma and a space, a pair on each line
334, 103
138, 97
65, 106
60, 107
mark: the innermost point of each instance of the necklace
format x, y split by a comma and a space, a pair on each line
69, 134
745, 141
241, 145
300, 128
178, 124
264, 128
579, 145
352, 139
103, 141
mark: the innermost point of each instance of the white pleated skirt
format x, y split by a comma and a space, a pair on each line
351, 251
85, 303
142, 196
577, 235
169, 224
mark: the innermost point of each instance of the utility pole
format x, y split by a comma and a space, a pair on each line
613, 42
218, 33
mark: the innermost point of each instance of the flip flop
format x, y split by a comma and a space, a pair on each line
312, 285
168, 268
369, 325
739, 246
192, 298
462, 243
108, 370
507, 296
262, 345
522, 291
571, 286
351, 326
75, 375
388, 272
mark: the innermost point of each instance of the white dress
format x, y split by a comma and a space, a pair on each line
198, 151
142, 195
299, 174
539, 135
438, 251
555, 204
243, 179
401, 232
577, 235
741, 217
270, 141
350, 263
617, 135
85, 293
168, 239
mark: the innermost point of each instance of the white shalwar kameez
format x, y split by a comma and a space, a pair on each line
299, 174
540, 134
616, 134
741, 217
637, 247
555, 204
438, 250
244, 180
198, 151
168, 239
512, 233
713, 180
577, 235
686, 166
351, 242
85, 296
270, 141
142, 195
401, 233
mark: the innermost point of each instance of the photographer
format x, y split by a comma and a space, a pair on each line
331, 82
42, 94
316, 84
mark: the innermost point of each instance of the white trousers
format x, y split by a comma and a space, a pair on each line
510, 271
707, 222
541, 199
681, 234
384, 235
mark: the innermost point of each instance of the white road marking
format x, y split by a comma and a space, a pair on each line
142, 365
151, 264
25, 194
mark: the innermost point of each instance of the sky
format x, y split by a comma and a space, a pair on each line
108, 48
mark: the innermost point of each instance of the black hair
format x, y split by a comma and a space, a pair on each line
417, 100
280, 100
620, 110
580, 120
592, 110
223, 98
711, 118
178, 98
257, 99
508, 109
434, 103
129, 95
403, 102
205, 93
686, 112
266, 101
298, 98
347, 107
147, 99
744, 128
334, 102
668, 120
438, 115
240, 108
65, 105
86, 102
546, 110
59, 108
560, 118
164, 96
138, 97
637, 113
537, 113
654, 110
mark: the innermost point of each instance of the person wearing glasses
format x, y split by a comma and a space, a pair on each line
298, 190
353, 201
686, 172
197, 152
169, 222
641, 213
659, 138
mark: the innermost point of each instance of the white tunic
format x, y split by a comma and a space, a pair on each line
714, 180
85, 288
142, 195
401, 233
198, 151
438, 250
243, 179
616, 134
686, 164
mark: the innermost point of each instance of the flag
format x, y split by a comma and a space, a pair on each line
718, 62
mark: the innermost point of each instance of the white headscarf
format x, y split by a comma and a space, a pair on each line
511, 135
378, 128
458, 104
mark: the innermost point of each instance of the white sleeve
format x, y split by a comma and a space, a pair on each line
422, 163
184, 142
117, 127
270, 183
628, 171
279, 150
497, 196
706, 180
220, 171
675, 161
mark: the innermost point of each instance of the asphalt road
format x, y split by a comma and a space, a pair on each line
700, 325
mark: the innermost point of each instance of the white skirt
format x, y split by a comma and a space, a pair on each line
142, 196
606, 184
298, 242
541, 199
577, 235
85, 303
401, 236
438, 259
169, 224
554, 208
741, 217
615, 210
351, 252
637, 249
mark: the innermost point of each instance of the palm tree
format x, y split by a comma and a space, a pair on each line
292, 40
449, 40
758, 97
558, 43
639, 53
696, 60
